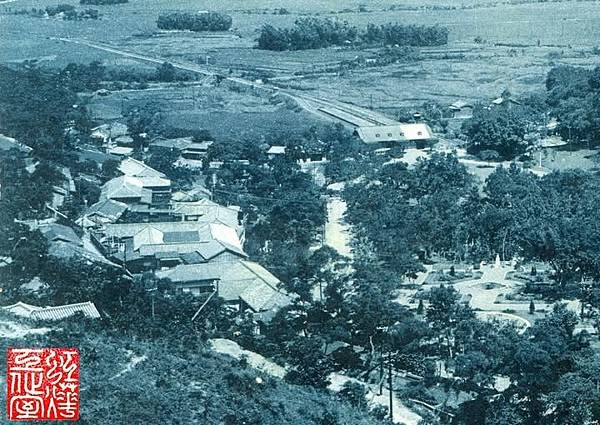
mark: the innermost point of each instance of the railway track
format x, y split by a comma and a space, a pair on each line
349, 114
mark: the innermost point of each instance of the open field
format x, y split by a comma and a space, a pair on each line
482, 71
551, 22
477, 72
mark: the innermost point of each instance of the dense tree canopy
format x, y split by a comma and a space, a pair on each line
314, 33
210, 21
496, 133
574, 99
36, 108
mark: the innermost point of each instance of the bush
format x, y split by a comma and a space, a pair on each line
355, 394
210, 21
489, 155
69, 12
59, 8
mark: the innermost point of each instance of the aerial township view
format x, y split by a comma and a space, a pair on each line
303, 212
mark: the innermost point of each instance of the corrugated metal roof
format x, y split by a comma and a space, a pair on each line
68, 250
121, 188
192, 258
151, 181
8, 143
149, 235
179, 143
226, 235
58, 232
459, 104
276, 150
180, 248
418, 131
208, 212
115, 129
127, 230
210, 249
192, 273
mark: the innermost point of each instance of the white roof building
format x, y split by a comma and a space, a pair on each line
276, 150
134, 168
395, 133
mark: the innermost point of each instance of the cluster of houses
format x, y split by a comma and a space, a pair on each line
115, 139
185, 239
190, 243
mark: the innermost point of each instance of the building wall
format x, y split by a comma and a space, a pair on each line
197, 287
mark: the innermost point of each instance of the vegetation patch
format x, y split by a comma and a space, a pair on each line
205, 21
313, 33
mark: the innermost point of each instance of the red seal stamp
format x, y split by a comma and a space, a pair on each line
42, 384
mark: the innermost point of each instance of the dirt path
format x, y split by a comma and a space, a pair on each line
337, 232
231, 348
133, 362
402, 414
16, 330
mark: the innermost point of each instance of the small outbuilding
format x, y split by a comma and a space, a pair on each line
461, 110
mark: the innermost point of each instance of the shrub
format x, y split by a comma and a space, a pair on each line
354, 393
59, 8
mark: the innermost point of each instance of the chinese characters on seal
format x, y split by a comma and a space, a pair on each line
42, 384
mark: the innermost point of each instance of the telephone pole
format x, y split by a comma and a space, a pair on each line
390, 382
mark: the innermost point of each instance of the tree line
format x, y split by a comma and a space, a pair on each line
67, 12
210, 21
314, 33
